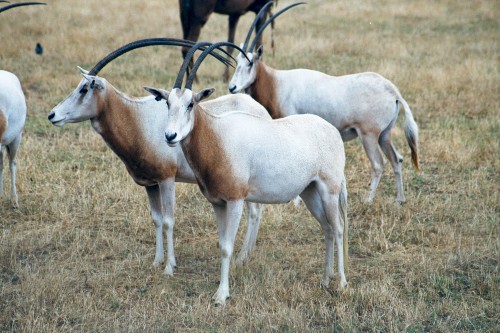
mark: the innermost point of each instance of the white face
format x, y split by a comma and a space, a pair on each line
180, 116
244, 74
180, 107
80, 105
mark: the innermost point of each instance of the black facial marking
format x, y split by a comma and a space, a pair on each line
84, 90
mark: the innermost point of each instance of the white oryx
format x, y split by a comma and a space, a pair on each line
133, 128
12, 117
239, 155
364, 105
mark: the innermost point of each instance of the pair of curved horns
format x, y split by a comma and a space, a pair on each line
143, 43
254, 23
207, 49
19, 5
269, 21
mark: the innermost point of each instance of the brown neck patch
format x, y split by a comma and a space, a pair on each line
204, 151
263, 90
119, 127
3, 124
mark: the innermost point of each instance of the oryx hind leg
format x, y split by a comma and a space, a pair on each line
1, 170
324, 205
12, 149
370, 145
394, 158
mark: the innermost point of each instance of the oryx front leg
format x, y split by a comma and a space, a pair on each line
228, 219
162, 201
155, 204
167, 193
254, 213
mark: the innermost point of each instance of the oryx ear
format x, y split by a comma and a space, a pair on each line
95, 82
83, 71
159, 94
205, 93
259, 52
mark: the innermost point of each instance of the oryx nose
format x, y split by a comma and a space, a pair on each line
232, 88
51, 115
170, 136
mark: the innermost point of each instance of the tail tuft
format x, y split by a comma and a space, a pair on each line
411, 133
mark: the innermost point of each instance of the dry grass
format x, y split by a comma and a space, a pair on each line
77, 254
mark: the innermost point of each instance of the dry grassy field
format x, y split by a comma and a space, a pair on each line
76, 256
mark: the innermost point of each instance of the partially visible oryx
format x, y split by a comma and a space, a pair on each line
12, 117
239, 155
133, 128
195, 13
364, 105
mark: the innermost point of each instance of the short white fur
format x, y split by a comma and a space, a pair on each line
263, 160
12, 119
95, 99
364, 105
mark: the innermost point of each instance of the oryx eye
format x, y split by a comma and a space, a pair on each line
190, 105
250, 64
84, 90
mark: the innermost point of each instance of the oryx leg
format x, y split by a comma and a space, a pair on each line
394, 158
162, 201
167, 193
254, 214
228, 219
1, 170
12, 149
324, 205
370, 144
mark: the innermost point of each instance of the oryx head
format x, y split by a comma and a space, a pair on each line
85, 101
82, 103
247, 61
181, 102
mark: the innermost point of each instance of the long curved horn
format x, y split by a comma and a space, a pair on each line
187, 59
20, 4
269, 20
192, 75
254, 23
142, 43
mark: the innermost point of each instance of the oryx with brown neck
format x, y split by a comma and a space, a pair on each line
239, 155
363, 105
133, 129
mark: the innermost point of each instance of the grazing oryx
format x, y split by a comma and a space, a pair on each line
364, 105
133, 129
12, 117
195, 13
240, 155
